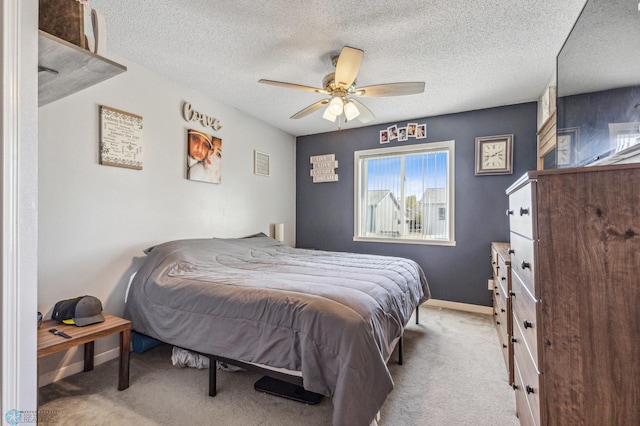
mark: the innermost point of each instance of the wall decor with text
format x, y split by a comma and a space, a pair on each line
323, 169
120, 138
261, 163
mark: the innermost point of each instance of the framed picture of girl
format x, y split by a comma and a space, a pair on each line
204, 157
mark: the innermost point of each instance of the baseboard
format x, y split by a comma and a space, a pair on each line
457, 306
76, 367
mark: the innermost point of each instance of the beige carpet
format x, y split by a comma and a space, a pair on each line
453, 374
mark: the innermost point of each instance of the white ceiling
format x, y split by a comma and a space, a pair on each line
471, 54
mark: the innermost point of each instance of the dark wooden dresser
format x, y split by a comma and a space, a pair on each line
575, 241
502, 316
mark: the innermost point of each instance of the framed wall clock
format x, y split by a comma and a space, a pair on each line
566, 141
494, 155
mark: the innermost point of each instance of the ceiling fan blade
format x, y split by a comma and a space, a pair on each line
347, 66
293, 86
365, 115
311, 108
391, 89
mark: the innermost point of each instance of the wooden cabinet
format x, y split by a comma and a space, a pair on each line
501, 265
575, 241
64, 68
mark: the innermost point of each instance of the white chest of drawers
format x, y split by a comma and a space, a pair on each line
575, 259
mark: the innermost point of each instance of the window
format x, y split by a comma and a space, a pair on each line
405, 194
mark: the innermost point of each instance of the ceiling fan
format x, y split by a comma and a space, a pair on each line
341, 88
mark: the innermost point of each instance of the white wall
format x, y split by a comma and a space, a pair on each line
95, 220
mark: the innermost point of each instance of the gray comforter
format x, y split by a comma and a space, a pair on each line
335, 317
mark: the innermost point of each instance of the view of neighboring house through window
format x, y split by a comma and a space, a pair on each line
405, 194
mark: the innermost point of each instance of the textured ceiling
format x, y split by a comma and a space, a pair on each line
471, 54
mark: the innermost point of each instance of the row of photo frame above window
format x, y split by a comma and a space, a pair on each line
401, 134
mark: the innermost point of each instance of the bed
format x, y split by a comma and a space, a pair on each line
334, 318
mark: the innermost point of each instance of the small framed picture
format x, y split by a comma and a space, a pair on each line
384, 136
393, 132
402, 134
411, 130
421, 131
261, 163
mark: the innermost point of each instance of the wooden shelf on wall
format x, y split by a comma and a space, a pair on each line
65, 68
546, 139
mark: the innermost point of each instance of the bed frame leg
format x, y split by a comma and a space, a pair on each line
213, 367
417, 314
400, 350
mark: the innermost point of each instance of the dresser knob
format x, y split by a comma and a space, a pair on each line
498, 322
514, 386
525, 265
497, 293
502, 310
527, 324
524, 211
503, 278
509, 212
512, 294
529, 389
514, 340
504, 346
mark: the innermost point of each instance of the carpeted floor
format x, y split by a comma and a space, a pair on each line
453, 374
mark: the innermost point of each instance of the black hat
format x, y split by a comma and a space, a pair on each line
80, 311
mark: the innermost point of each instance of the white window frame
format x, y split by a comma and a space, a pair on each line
404, 150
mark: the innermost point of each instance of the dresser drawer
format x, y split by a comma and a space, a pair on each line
507, 353
522, 404
500, 312
521, 210
503, 276
523, 260
529, 376
494, 261
525, 315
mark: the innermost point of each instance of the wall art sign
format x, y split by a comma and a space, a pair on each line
120, 138
261, 163
323, 169
191, 114
204, 157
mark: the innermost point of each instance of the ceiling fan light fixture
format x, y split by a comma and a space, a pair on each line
328, 115
351, 110
336, 106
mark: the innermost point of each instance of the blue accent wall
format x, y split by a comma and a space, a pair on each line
324, 211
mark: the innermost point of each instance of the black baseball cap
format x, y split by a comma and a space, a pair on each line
81, 311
